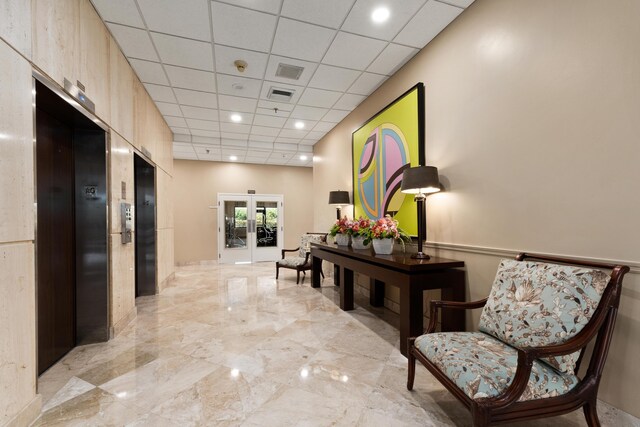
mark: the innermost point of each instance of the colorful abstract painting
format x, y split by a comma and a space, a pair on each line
386, 145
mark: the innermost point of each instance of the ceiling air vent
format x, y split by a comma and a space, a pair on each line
287, 71
277, 94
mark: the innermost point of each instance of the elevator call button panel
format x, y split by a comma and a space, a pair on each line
126, 219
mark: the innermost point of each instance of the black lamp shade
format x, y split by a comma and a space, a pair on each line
420, 179
339, 198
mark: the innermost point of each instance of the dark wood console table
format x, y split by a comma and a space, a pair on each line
411, 276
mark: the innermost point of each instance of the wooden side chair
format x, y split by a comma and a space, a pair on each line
302, 262
534, 328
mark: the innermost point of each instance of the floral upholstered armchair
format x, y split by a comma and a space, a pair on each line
523, 362
302, 262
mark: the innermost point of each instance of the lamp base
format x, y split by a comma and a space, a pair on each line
420, 255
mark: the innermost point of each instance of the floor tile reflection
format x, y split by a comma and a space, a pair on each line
233, 346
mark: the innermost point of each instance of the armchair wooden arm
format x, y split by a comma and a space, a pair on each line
289, 250
455, 305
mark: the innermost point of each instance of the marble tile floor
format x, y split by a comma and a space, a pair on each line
232, 346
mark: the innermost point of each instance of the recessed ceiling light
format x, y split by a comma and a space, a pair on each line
236, 118
299, 125
233, 158
303, 157
380, 15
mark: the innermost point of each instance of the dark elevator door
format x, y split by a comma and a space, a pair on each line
55, 240
145, 227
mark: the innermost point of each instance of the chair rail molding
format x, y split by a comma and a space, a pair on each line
510, 253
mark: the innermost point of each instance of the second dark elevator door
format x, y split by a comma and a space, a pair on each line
145, 227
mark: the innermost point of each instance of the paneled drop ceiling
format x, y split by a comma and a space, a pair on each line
184, 53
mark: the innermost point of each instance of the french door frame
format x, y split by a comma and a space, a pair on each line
254, 242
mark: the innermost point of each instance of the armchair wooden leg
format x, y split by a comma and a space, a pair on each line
277, 271
411, 365
591, 413
480, 416
298, 277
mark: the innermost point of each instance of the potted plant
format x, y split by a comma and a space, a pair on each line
360, 238
341, 231
384, 232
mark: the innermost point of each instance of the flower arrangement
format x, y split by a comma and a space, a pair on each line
387, 228
360, 227
341, 226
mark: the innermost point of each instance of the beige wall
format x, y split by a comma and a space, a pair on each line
531, 118
66, 38
198, 183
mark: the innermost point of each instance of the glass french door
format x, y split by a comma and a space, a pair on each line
250, 227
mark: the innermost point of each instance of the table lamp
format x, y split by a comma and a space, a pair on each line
339, 199
420, 180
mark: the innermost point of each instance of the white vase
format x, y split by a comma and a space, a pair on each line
342, 239
357, 242
383, 246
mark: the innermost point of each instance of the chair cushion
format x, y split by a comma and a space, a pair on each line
539, 304
292, 261
482, 366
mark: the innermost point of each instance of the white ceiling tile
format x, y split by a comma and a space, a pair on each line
184, 52
329, 13
319, 98
299, 40
180, 132
281, 106
119, 11
359, 20
324, 127
293, 134
281, 156
179, 137
253, 152
261, 138
149, 72
181, 18
185, 156
287, 140
196, 124
270, 121
202, 132
277, 113
308, 113
246, 118
335, 116
308, 124
349, 101
135, 43
175, 121
235, 103
261, 145
333, 78
234, 142
270, 6
285, 147
427, 23
200, 113
461, 3
254, 160
367, 83
238, 27
226, 56
391, 59
303, 149
315, 135
308, 143
196, 98
238, 86
167, 109
209, 158
352, 51
207, 149
235, 127
275, 61
267, 86
206, 140
265, 130
239, 152
160, 93
187, 78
